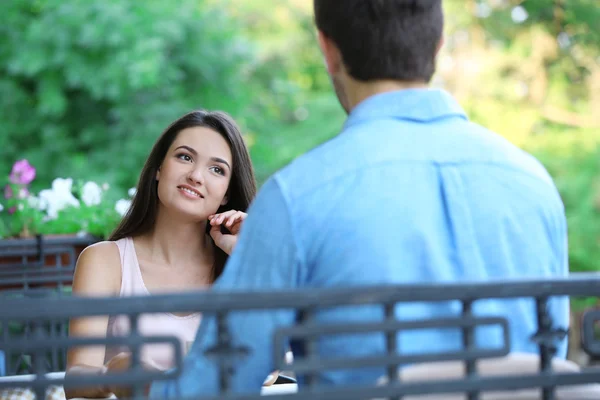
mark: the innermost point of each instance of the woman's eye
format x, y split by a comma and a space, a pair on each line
184, 157
218, 170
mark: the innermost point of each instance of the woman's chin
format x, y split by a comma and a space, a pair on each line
185, 215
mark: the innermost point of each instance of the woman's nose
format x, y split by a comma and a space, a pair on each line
196, 176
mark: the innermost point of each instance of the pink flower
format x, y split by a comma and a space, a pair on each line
22, 173
8, 192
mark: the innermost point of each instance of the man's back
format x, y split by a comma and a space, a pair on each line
411, 192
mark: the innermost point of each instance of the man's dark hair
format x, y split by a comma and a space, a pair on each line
384, 39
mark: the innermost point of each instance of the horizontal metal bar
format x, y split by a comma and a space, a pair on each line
212, 301
46, 343
128, 377
302, 366
481, 384
53, 278
35, 292
48, 241
492, 384
36, 270
313, 329
17, 252
27, 264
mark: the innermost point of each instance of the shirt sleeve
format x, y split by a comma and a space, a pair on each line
266, 258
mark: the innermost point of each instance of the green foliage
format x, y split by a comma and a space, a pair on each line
573, 159
537, 82
299, 110
318, 119
87, 86
574, 164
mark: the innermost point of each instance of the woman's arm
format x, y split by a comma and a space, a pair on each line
97, 274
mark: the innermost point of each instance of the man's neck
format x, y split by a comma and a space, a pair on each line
358, 91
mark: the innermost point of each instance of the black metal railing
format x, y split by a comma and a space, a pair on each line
41, 264
307, 330
39, 267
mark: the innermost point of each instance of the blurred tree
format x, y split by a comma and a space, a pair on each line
87, 86
535, 62
299, 109
530, 70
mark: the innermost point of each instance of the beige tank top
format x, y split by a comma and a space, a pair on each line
132, 284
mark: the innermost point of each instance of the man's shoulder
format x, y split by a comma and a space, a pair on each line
404, 145
498, 150
312, 169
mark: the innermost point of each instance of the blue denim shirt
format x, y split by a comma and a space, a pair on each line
410, 191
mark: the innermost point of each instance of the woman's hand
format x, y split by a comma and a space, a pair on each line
95, 392
271, 378
232, 221
122, 362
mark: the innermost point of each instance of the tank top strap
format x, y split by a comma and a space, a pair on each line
131, 277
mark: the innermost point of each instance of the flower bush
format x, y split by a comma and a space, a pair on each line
67, 207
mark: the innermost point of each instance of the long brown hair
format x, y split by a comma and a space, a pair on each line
141, 216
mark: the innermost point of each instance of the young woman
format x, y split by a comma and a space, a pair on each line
197, 180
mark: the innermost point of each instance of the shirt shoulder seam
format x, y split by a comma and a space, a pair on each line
436, 164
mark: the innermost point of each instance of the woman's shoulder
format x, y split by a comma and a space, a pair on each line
98, 269
106, 250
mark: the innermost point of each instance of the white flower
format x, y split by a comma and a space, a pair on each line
1, 207
62, 185
131, 192
105, 186
519, 14
58, 198
34, 202
122, 206
42, 204
91, 194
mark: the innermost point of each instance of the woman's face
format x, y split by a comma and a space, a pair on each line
195, 174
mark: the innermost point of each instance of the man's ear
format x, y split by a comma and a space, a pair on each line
440, 45
331, 54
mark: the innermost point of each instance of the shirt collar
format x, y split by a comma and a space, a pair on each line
418, 105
